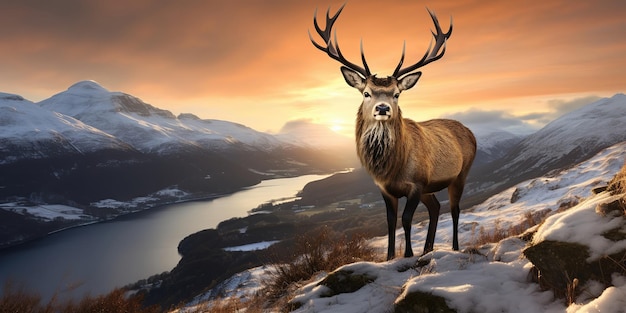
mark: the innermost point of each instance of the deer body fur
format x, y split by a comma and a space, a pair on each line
414, 160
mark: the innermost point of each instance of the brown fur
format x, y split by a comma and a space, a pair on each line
410, 159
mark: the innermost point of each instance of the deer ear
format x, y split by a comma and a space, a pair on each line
353, 78
408, 81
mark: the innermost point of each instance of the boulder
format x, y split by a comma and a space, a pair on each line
587, 242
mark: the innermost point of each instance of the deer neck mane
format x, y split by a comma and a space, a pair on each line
380, 146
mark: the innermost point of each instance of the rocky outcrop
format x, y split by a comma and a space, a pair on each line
565, 266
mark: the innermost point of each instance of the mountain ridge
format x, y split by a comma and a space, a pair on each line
565, 141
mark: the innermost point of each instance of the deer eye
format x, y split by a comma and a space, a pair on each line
366, 94
396, 95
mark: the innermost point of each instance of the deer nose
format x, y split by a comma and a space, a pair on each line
383, 108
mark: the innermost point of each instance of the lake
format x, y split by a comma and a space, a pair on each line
95, 259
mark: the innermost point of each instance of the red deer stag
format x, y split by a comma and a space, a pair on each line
405, 158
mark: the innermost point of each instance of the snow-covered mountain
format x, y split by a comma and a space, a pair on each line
150, 129
564, 142
31, 132
493, 278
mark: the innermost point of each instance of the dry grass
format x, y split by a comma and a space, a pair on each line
482, 236
18, 300
618, 186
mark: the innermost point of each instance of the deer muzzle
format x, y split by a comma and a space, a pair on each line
382, 112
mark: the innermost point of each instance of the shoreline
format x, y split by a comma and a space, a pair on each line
129, 214
145, 209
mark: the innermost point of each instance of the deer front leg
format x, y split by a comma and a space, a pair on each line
392, 216
407, 220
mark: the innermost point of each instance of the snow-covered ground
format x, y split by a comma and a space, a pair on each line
46, 212
495, 280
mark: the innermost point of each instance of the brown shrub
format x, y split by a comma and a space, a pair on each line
618, 186
319, 250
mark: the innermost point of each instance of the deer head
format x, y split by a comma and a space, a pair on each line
380, 94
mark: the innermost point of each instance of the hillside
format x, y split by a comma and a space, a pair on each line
490, 277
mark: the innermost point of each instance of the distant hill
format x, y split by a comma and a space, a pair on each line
564, 142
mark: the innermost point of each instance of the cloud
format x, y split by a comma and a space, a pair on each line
561, 106
299, 125
557, 108
494, 119
524, 123
319, 135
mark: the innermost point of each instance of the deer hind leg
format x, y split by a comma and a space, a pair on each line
392, 217
433, 206
455, 190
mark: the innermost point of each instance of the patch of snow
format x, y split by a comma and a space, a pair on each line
47, 212
253, 246
172, 192
583, 225
241, 286
373, 297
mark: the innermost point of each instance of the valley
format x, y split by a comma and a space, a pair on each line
88, 155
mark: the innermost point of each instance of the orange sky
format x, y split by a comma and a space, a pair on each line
251, 61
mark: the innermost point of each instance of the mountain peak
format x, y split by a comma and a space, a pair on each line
87, 86
10, 96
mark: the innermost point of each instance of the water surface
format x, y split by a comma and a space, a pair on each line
95, 259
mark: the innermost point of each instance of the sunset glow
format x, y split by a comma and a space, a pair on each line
251, 62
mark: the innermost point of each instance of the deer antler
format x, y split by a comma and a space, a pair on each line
432, 54
332, 47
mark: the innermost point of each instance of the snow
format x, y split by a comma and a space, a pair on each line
612, 299
46, 212
132, 204
496, 280
583, 225
253, 246
239, 285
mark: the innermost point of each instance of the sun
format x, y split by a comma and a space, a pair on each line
336, 127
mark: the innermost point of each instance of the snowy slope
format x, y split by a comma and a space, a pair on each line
495, 282
595, 125
27, 130
146, 127
564, 142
